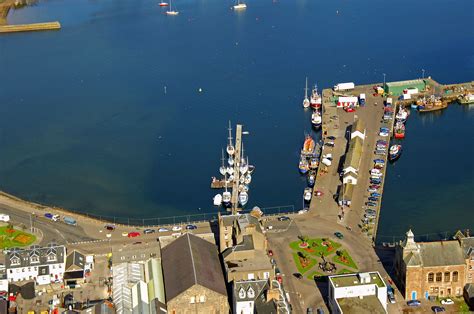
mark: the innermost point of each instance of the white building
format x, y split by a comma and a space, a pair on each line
357, 293
44, 265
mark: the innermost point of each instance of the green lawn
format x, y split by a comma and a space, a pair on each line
16, 238
349, 263
316, 247
300, 268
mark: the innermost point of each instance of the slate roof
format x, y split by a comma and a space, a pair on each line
243, 220
354, 153
246, 245
258, 286
189, 261
467, 245
440, 253
75, 261
25, 256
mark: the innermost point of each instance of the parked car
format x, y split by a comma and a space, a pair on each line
413, 303
373, 199
283, 218
332, 138
370, 216
391, 297
371, 204
4, 217
191, 227
438, 309
109, 227
339, 235
163, 230
176, 228
125, 234
133, 234
447, 302
298, 275
302, 211
329, 144
149, 231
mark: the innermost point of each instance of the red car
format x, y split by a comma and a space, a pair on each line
133, 234
350, 109
270, 253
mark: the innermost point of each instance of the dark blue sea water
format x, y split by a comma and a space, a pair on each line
85, 123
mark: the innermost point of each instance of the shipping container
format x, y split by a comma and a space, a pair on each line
344, 86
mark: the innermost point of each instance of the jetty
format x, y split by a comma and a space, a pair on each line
347, 203
30, 27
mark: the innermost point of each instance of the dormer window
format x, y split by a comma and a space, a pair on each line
34, 259
241, 293
15, 261
251, 293
51, 257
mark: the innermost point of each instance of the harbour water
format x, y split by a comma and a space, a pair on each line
85, 122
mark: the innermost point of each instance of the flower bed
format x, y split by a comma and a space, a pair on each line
345, 259
301, 265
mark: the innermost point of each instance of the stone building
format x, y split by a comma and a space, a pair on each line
194, 282
244, 248
430, 269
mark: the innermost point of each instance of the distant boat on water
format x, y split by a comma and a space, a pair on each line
171, 11
163, 4
240, 6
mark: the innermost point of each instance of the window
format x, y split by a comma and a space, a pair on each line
447, 276
51, 257
439, 277
430, 277
193, 300
34, 259
202, 298
251, 276
241, 293
15, 261
251, 293
266, 275
455, 276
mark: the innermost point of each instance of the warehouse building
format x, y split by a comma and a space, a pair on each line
397, 88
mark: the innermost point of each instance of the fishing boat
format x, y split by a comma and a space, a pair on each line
313, 163
466, 99
308, 146
395, 152
316, 119
316, 99
217, 200
230, 170
230, 146
171, 11
243, 198
402, 115
308, 192
243, 167
231, 178
414, 106
163, 4
303, 165
306, 102
399, 130
240, 6
311, 178
432, 104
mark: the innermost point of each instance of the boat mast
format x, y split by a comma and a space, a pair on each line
230, 133
237, 156
306, 89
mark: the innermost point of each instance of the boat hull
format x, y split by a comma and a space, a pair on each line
399, 135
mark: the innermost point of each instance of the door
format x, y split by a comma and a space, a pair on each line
426, 295
413, 295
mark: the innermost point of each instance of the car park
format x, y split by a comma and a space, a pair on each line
371, 204
133, 234
413, 303
447, 302
191, 227
339, 235
148, 231
125, 234
163, 230
373, 199
283, 218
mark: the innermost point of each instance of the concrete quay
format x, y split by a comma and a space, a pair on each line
30, 27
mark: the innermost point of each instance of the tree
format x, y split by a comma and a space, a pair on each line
338, 253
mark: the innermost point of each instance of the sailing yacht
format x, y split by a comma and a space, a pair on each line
223, 169
243, 198
226, 196
171, 11
306, 101
230, 146
240, 6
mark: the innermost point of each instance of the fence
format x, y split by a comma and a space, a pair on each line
172, 220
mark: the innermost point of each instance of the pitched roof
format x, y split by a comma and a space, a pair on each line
412, 259
358, 126
75, 261
467, 245
24, 256
354, 153
258, 287
190, 260
441, 253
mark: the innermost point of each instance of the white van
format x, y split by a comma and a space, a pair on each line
4, 217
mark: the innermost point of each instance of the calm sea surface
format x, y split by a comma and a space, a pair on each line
85, 122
